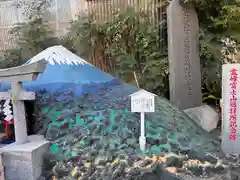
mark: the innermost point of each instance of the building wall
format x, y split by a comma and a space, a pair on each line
103, 10
63, 11
8, 16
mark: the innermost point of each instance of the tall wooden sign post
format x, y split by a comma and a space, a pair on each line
15, 76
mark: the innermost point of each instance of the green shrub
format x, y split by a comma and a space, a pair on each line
131, 44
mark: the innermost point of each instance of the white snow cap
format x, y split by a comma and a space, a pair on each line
58, 55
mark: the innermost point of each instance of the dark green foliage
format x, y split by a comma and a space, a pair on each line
132, 43
218, 19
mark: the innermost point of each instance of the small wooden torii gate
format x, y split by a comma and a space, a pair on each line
15, 76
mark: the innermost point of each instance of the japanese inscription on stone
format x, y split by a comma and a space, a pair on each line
183, 55
187, 62
230, 108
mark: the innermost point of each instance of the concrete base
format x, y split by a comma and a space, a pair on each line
24, 161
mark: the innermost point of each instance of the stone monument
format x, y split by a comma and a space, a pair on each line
183, 55
230, 108
22, 160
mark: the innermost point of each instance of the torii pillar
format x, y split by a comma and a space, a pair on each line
15, 76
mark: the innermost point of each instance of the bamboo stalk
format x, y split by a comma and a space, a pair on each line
136, 80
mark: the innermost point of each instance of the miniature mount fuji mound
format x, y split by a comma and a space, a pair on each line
97, 132
95, 136
66, 71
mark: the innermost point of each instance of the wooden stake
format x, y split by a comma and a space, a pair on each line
135, 77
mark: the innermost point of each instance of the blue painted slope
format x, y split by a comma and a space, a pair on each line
65, 71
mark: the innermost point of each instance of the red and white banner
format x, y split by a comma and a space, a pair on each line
231, 108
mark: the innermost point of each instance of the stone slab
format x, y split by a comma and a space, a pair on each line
205, 116
183, 55
31, 145
24, 161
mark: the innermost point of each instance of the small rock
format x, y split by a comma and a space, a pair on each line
235, 177
173, 161
133, 172
52, 133
152, 141
131, 141
205, 116
148, 176
100, 160
192, 154
172, 170
212, 169
61, 170
196, 170
145, 163
211, 159
118, 171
